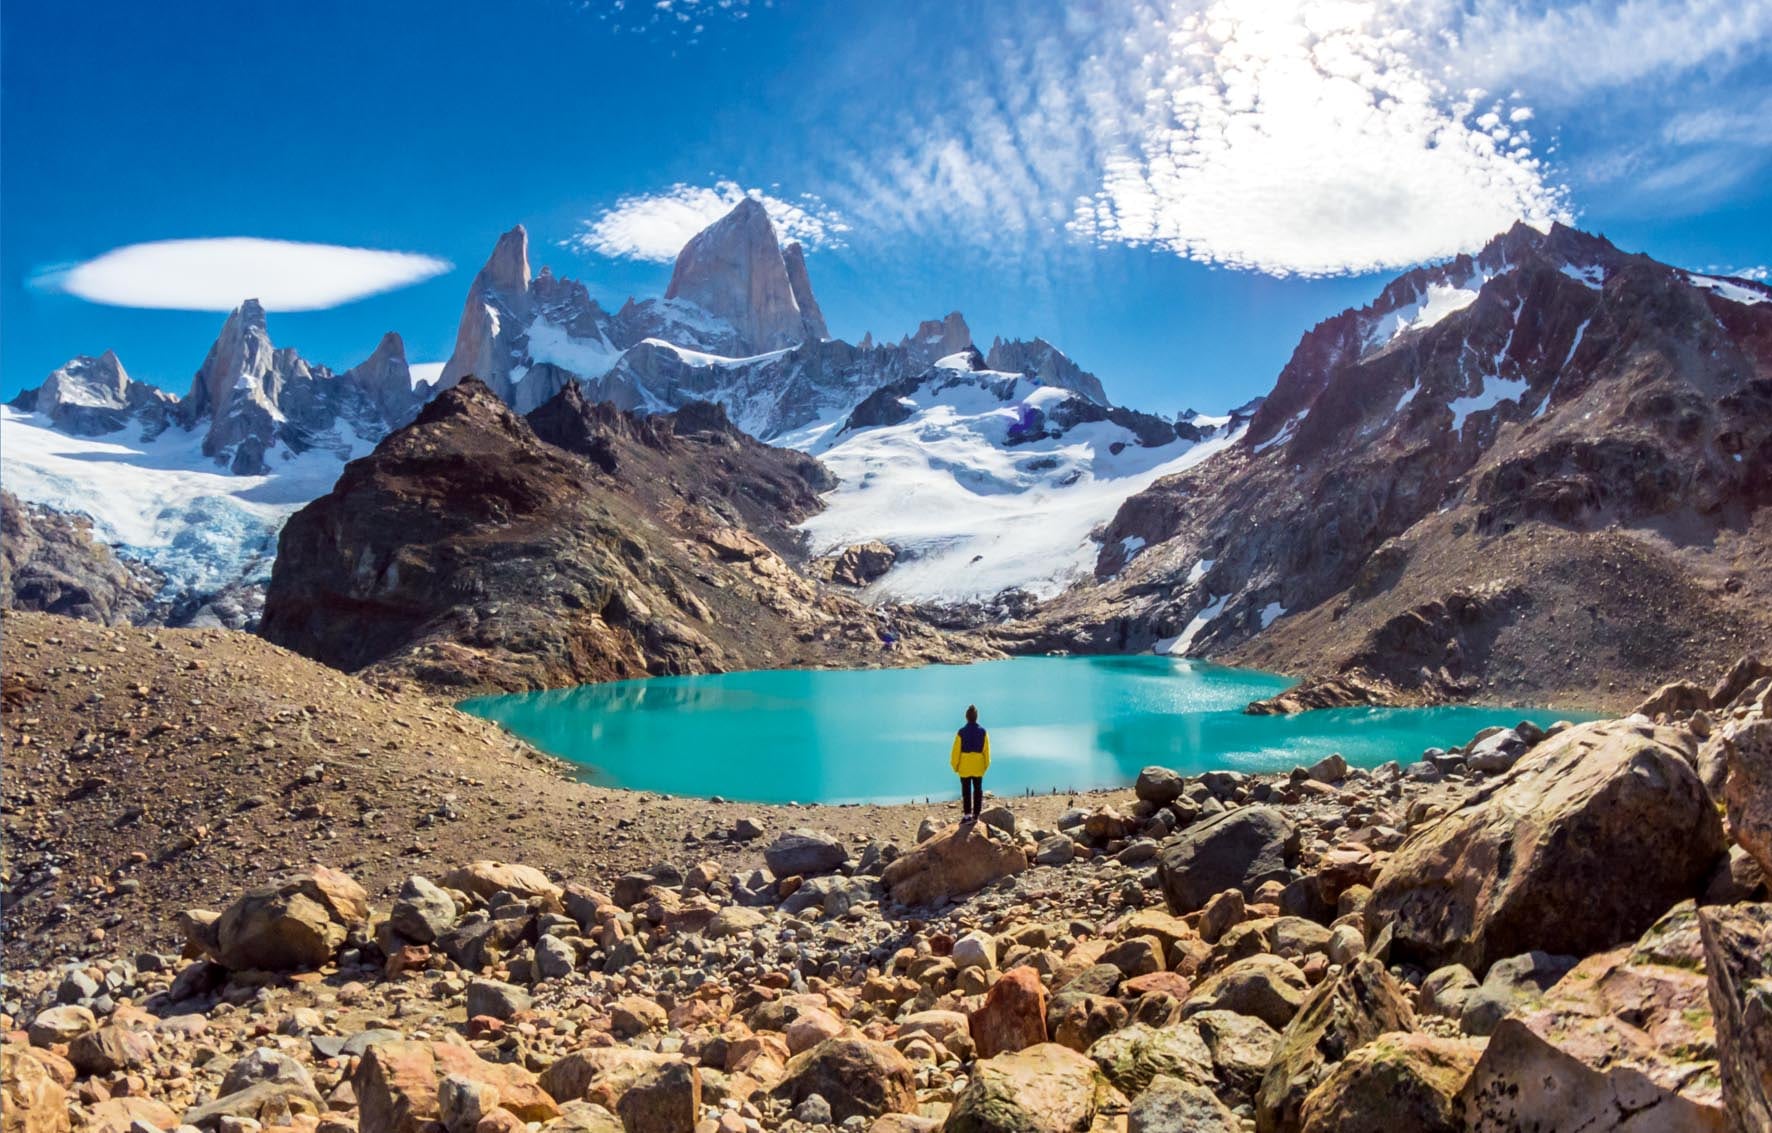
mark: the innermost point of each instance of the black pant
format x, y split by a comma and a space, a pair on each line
971, 795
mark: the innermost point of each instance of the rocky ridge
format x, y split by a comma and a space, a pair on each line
1540, 472
1220, 952
474, 550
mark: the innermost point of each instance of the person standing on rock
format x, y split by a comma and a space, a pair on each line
970, 759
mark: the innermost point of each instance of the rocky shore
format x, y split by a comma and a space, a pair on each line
1554, 929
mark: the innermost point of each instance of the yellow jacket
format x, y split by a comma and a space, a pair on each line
970, 764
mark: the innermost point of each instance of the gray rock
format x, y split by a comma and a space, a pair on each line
499, 1000
554, 958
745, 829
805, 853
1236, 850
1510, 984
1000, 817
1158, 785
422, 912
1055, 850
1174, 1105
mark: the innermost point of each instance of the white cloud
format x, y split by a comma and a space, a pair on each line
655, 226
1570, 48
1312, 139
215, 274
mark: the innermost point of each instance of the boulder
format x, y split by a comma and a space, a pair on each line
1013, 1016
1043, 1089
1262, 986
1741, 676
600, 1074
732, 920
1396, 1082
1591, 837
663, 1099
1076, 1019
804, 853
1055, 849
1738, 962
496, 999
1510, 985
485, 879
31, 1100
1238, 850
1174, 1105
1241, 1046
61, 1024
858, 1077
422, 912
110, 1049
862, 563
1445, 991
1631, 1026
132, 1114
1133, 1056
959, 860
1342, 1015
295, 923
1524, 1082
1748, 790
1676, 698
1158, 786
397, 1084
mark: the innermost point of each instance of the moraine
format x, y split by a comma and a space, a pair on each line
1056, 723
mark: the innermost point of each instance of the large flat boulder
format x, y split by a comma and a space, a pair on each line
959, 860
1592, 836
486, 878
1623, 1041
1738, 961
804, 853
1238, 850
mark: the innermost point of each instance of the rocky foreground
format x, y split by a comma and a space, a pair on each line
1561, 929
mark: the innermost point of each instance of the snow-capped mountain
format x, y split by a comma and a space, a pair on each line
984, 481
197, 487
1540, 469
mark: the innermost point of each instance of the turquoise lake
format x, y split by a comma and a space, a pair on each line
882, 735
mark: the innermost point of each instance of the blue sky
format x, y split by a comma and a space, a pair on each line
1173, 193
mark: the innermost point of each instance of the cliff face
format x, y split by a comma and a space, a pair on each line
1539, 472
735, 270
49, 562
468, 552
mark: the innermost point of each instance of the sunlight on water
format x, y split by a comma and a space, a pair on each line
1056, 723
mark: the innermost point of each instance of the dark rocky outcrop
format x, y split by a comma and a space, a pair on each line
50, 562
468, 552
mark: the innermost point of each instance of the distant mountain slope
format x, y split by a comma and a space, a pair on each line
468, 553
1538, 472
985, 482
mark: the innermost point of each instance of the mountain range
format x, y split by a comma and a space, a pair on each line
1538, 470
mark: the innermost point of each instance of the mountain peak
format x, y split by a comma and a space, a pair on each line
507, 269
735, 269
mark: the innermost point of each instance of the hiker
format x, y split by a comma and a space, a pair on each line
970, 759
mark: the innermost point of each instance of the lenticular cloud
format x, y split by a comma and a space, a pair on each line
216, 274
1307, 139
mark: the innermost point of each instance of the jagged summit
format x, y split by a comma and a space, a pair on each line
735, 269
